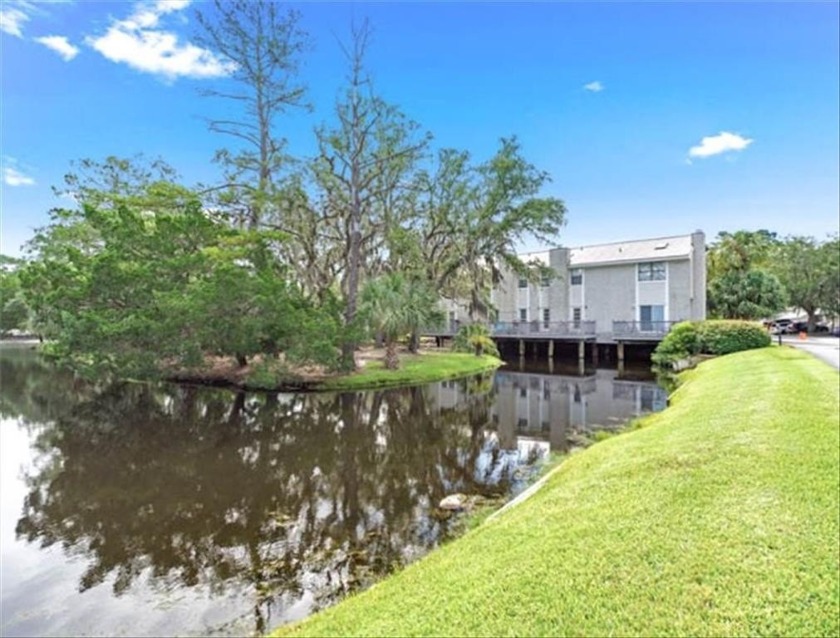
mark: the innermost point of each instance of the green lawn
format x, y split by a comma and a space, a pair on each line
414, 369
721, 517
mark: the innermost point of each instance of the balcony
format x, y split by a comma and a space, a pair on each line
544, 329
641, 330
526, 329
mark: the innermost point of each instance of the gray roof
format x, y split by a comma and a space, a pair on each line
658, 249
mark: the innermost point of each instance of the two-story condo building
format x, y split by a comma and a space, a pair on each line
606, 291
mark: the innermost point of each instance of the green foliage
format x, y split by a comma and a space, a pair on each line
741, 251
726, 337
166, 287
415, 370
475, 338
740, 280
810, 271
714, 337
392, 306
743, 474
752, 294
14, 312
682, 341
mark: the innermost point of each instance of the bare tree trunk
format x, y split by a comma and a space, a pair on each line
414, 342
812, 320
392, 361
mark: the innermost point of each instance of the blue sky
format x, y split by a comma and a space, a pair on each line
652, 118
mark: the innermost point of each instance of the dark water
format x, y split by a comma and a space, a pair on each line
131, 509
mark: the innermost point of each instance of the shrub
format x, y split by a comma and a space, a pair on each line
682, 341
475, 338
725, 337
709, 337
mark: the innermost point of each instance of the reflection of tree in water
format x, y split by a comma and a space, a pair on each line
278, 493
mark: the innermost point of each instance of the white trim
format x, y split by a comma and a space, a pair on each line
528, 301
667, 289
582, 294
638, 312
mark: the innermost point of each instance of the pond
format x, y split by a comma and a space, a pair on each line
137, 509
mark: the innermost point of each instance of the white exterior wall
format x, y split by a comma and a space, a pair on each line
609, 291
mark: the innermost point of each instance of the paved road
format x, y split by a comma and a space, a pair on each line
825, 348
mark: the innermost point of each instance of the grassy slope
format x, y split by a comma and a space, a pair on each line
414, 369
721, 517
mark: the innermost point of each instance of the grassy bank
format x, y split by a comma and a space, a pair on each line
720, 517
414, 369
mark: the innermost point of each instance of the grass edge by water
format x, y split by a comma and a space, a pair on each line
363, 613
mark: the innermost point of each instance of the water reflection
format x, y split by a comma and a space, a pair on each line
196, 510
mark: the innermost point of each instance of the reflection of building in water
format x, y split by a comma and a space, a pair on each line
537, 407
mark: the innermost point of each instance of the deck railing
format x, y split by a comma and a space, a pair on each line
543, 329
653, 330
641, 329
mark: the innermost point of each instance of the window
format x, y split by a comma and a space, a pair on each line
523, 392
545, 281
523, 283
523, 314
652, 271
546, 317
576, 315
577, 277
651, 318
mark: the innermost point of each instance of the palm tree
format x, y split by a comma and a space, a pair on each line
421, 308
393, 306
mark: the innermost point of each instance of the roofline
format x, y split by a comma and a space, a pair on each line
609, 243
622, 262
632, 241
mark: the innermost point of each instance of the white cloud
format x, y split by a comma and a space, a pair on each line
720, 143
11, 21
13, 177
60, 45
14, 13
137, 42
593, 87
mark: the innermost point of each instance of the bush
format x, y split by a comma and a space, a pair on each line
709, 337
475, 338
726, 337
683, 341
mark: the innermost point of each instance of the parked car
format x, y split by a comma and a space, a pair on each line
802, 326
781, 326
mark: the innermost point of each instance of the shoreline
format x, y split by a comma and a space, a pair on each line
428, 366
699, 472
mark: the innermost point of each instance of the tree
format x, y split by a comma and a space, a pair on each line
751, 294
420, 306
810, 271
107, 183
392, 306
505, 209
359, 163
14, 312
741, 284
740, 251
263, 44
165, 289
